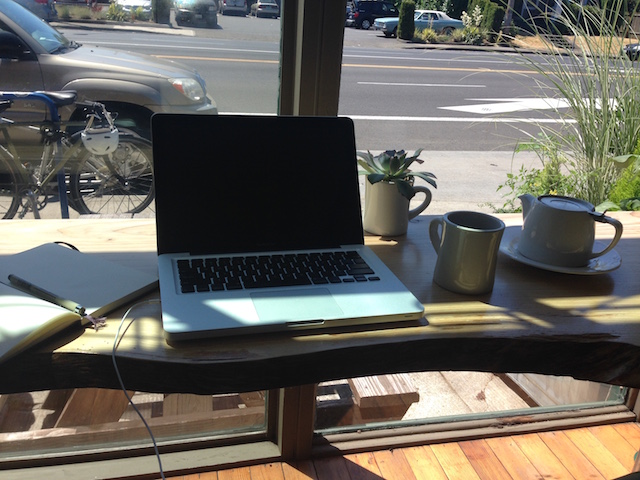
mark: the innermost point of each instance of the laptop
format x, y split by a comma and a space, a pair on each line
259, 200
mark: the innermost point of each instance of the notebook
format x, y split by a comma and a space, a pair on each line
52, 285
262, 189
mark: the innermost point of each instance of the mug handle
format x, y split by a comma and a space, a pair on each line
602, 218
425, 203
434, 235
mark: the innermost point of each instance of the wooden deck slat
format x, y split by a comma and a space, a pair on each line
424, 463
616, 444
596, 452
235, 474
486, 464
362, 466
542, 457
301, 470
513, 459
331, 468
570, 455
630, 431
269, 471
394, 465
454, 462
592, 453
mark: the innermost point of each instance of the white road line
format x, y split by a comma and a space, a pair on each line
510, 105
432, 119
385, 84
459, 119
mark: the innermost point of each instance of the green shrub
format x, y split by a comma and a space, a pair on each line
627, 186
406, 24
428, 35
473, 33
63, 12
458, 35
554, 178
116, 13
492, 16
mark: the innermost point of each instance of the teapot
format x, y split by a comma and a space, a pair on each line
560, 230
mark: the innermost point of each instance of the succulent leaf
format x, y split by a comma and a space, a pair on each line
405, 188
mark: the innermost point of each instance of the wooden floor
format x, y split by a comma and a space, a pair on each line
604, 452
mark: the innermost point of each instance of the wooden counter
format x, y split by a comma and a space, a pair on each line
587, 327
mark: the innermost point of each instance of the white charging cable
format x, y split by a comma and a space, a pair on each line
116, 342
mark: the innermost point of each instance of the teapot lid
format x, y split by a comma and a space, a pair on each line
567, 203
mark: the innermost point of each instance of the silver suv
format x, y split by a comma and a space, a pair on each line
35, 56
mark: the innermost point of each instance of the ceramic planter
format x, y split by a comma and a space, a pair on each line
386, 211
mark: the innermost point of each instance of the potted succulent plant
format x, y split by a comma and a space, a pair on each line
389, 188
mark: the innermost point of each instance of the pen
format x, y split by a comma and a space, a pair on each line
44, 295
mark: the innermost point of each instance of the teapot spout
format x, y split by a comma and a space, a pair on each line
527, 203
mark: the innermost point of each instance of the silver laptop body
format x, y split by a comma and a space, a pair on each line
264, 189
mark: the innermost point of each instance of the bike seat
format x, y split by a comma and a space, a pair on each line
62, 98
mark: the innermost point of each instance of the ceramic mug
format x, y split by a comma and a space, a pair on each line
386, 210
467, 245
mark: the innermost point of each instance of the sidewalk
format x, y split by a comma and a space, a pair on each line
459, 188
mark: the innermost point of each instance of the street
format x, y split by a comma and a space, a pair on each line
399, 95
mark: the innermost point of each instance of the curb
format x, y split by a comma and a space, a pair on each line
174, 29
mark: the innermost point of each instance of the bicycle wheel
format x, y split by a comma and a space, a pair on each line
9, 190
120, 182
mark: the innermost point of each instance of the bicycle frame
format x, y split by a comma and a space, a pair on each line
109, 176
58, 163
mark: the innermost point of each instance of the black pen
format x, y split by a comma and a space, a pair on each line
44, 295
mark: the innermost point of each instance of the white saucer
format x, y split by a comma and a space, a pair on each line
606, 263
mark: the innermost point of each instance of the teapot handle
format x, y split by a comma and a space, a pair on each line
602, 218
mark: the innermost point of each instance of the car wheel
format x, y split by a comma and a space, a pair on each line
448, 30
366, 24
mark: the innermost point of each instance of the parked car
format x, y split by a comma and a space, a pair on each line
130, 6
265, 8
35, 56
45, 9
238, 7
438, 21
632, 51
196, 11
366, 11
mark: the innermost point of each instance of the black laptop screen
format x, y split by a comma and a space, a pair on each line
228, 184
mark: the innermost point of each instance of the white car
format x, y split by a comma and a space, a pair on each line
436, 20
133, 5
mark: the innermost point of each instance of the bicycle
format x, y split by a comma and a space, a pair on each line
99, 168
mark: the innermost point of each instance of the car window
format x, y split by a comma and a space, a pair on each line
39, 30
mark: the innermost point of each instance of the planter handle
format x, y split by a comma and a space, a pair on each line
425, 203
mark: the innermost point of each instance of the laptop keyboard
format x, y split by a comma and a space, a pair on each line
264, 271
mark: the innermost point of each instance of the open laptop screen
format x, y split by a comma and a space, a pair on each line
227, 183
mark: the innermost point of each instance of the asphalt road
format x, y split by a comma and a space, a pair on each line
469, 172
400, 95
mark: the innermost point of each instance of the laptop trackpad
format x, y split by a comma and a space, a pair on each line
296, 305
